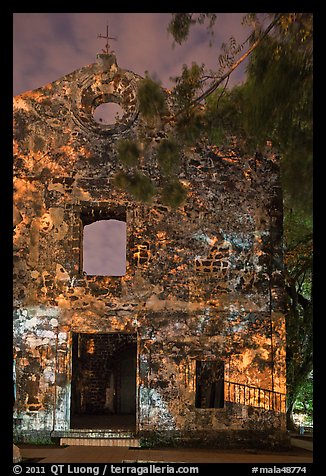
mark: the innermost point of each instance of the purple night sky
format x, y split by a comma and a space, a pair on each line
47, 46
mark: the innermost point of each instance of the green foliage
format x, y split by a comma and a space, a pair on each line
298, 260
190, 127
225, 115
279, 101
141, 188
296, 29
304, 400
180, 24
151, 99
122, 180
128, 152
278, 76
228, 55
297, 180
173, 193
297, 228
138, 185
187, 84
274, 104
168, 156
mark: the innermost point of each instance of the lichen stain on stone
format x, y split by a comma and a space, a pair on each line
61, 273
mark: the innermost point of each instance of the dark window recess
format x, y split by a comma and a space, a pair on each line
97, 213
209, 384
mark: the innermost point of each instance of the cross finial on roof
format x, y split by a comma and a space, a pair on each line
107, 38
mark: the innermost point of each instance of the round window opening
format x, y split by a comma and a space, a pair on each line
108, 113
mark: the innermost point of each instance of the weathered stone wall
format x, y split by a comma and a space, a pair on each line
202, 282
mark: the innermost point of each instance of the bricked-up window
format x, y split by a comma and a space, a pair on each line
103, 244
209, 384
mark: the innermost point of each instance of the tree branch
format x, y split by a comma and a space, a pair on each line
223, 91
216, 84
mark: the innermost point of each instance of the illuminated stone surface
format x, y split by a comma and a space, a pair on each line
16, 454
203, 282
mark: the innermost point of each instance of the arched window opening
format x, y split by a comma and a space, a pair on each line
104, 248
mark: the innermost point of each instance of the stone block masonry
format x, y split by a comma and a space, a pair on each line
203, 282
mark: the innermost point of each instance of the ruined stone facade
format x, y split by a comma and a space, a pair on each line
201, 302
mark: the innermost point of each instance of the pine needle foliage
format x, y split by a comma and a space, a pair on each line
168, 156
180, 24
190, 127
224, 116
174, 193
279, 102
187, 85
128, 152
139, 186
151, 99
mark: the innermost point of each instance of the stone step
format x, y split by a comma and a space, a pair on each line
93, 441
90, 437
90, 433
307, 444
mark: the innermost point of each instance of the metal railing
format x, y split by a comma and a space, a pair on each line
254, 396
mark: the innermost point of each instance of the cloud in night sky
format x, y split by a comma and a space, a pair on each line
47, 46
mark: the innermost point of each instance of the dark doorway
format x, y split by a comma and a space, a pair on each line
209, 384
103, 389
